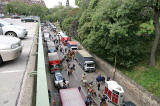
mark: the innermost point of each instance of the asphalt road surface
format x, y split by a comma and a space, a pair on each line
12, 72
75, 80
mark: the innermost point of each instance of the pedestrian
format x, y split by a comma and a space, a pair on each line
65, 50
50, 97
64, 81
73, 67
108, 78
102, 100
58, 87
68, 65
79, 88
64, 86
67, 60
54, 41
98, 85
57, 48
83, 77
88, 101
60, 49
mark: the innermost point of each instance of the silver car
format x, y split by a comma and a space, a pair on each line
58, 80
10, 48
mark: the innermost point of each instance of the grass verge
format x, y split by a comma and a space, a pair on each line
148, 77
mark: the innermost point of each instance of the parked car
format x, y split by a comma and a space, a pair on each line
15, 17
30, 19
47, 36
2, 15
13, 30
52, 27
10, 48
58, 80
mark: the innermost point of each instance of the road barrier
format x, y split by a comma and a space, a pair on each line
42, 89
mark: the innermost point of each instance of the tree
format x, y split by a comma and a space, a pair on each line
83, 4
155, 5
108, 28
73, 28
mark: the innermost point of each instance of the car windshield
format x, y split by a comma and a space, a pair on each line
90, 65
59, 77
55, 66
74, 48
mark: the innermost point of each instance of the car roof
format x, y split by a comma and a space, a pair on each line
58, 73
129, 103
8, 40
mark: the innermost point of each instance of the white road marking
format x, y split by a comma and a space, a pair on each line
15, 71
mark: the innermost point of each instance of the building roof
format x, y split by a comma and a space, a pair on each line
84, 53
113, 85
53, 56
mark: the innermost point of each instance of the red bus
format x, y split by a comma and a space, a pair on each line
71, 97
54, 62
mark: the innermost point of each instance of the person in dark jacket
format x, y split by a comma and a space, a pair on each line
98, 85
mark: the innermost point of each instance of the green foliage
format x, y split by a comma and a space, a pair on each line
21, 8
110, 26
17, 7
146, 29
66, 24
83, 4
38, 10
146, 76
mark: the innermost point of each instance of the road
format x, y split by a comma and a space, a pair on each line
75, 80
12, 72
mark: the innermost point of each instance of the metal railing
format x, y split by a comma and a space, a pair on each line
42, 89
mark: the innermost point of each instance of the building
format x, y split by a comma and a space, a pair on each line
41, 2
67, 2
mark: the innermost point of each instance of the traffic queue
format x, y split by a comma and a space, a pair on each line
113, 92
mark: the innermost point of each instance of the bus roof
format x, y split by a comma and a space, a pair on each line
53, 56
72, 42
84, 53
71, 97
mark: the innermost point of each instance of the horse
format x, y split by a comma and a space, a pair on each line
102, 103
92, 91
70, 72
84, 81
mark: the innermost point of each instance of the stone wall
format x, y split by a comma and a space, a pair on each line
135, 92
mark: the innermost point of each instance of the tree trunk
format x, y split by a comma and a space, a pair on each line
157, 35
114, 68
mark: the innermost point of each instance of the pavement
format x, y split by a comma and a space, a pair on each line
12, 72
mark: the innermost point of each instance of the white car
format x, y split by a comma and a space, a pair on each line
10, 48
47, 36
58, 80
12, 30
